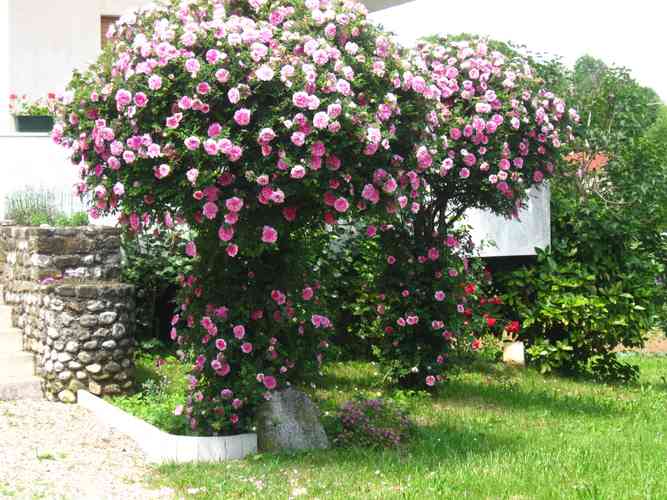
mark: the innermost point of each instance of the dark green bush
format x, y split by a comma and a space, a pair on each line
153, 264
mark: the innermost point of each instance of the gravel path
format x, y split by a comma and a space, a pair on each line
56, 451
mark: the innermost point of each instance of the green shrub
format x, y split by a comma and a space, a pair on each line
153, 264
575, 312
162, 386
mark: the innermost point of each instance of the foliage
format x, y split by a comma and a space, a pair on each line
22, 105
595, 288
373, 423
576, 312
153, 264
161, 379
34, 207
501, 132
432, 306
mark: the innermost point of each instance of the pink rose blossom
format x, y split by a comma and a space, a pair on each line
269, 235
239, 331
242, 116
269, 382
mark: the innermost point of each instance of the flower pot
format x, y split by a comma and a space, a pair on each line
26, 123
514, 354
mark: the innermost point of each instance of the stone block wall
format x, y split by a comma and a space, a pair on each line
62, 284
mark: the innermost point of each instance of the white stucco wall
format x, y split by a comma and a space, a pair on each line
4, 64
45, 41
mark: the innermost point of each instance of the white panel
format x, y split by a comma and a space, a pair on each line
514, 237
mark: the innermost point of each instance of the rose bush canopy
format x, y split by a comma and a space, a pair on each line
255, 123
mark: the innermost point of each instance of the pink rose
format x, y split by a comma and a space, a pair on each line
341, 205
210, 210
269, 382
242, 116
234, 204
269, 235
239, 331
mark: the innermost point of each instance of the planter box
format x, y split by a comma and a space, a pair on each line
33, 123
162, 447
514, 353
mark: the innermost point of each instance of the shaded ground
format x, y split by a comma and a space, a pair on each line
56, 451
656, 345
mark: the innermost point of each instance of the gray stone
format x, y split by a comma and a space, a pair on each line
88, 320
94, 388
81, 375
53, 333
118, 331
90, 345
72, 346
59, 345
94, 368
109, 344
85, 357
107, 318
112, 367
75, 385
74, 365
67, 396
66, 319
101, 333
57, 305
95, 305
112, 389
65, 376
64, 357
289, 421
58, 366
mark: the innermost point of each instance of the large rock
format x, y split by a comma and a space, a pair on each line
290, 421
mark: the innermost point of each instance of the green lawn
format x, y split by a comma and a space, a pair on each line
489, 433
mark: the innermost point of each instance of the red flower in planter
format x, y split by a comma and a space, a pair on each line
490, 321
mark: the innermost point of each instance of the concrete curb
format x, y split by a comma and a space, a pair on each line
162, 447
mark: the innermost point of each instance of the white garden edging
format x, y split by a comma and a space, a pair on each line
160, 446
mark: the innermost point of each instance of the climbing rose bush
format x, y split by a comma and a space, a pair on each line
250, 122
493, 132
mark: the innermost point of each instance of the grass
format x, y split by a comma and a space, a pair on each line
491, 432
160, 389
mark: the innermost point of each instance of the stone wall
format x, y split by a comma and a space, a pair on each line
62, 284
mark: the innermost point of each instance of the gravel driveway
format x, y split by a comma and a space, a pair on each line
56, 451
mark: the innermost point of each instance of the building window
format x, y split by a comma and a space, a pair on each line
106, 22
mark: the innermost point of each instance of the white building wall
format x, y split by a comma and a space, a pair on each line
4, 65
46, 42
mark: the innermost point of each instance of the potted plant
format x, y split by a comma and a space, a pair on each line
32, 115
513, 349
